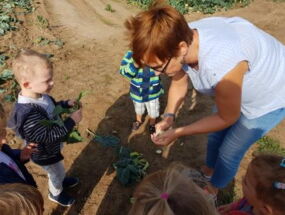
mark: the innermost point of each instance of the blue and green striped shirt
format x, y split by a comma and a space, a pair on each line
145, 85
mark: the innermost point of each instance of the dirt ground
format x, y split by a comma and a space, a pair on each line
94, 44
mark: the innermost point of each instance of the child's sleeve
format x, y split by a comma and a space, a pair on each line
36, 132
127, 67
62, 103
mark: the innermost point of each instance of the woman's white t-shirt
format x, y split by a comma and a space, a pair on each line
223, 43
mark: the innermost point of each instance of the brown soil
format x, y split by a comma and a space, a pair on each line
89, 60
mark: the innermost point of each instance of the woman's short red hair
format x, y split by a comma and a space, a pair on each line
157, 32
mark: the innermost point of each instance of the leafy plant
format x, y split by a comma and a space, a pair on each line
6, 75
77, 101
270, 145
204, 6
3, 59
7, 13
74, 137
13, 88
58, 42
141, 3
42, 22
131, 166
6, 23
59, 113
24, 4
107, 141
42, 41
109, 8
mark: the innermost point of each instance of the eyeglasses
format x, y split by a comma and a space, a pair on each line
164, 68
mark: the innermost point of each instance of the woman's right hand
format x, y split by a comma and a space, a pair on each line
77, 116
164, 125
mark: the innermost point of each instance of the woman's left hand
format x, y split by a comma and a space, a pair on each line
164, 138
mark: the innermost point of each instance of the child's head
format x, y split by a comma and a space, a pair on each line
20, 199
168, 192
33, 71
259, 184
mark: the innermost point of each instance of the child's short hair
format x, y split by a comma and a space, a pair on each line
23, 64
20, 199
267, 170
169, 192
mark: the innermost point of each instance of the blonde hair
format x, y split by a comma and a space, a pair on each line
267, 170
169, 192
20, 199
24, 63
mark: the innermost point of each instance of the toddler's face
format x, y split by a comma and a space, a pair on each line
43, 80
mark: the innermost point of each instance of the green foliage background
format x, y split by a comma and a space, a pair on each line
204, 6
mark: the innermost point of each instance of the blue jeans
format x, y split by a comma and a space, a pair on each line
56, 175
227, 147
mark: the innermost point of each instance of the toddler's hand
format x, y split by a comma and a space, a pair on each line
77, 116
224, 209
73, 102
28, 150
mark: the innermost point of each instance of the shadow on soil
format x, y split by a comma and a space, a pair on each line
95, 160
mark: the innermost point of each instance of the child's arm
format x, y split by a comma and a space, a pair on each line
64, 103
128, 68
34, 131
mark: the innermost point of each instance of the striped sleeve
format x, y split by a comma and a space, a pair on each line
127, 68
35, 132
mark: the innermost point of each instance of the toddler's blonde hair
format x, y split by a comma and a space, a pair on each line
169, 192
20, 199
24, 63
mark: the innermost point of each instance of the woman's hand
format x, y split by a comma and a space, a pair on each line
164, 138
164, 125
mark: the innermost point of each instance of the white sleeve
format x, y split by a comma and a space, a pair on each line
223, 58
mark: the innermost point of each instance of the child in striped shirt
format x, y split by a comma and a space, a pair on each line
33, 71
145, 90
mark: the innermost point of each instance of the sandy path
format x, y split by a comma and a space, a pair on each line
88, 18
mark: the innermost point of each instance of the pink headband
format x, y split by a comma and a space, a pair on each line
164, 196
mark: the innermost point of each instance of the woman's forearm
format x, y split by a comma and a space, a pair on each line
176, 94
205, 125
